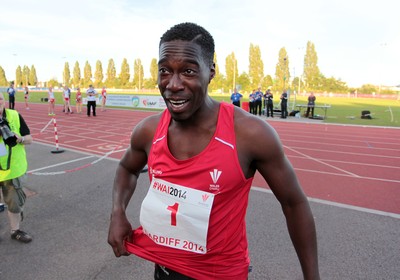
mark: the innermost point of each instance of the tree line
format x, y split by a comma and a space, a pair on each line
312, 79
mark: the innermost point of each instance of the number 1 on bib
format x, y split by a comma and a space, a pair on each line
174, 210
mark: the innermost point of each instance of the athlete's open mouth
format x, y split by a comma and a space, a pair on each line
177, 103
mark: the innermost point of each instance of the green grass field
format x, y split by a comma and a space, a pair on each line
348, 110
385, 112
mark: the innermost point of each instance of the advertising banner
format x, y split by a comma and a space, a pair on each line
133, 101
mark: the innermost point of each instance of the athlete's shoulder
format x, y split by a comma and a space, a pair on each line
143, 133
248, 126
148, 124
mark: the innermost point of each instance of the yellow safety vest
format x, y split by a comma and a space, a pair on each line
18, 163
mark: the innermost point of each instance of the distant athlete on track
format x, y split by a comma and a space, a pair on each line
52, 101
103, 99
78, 100
26, 97
67, 100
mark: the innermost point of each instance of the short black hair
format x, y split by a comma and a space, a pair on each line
192, 32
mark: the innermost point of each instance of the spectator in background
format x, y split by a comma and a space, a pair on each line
311, 105
284, 100
26, 97
69, 95
78, 100
258, 102
251, 102
52, 101
269, 103
235, 97
11, 96
91, 95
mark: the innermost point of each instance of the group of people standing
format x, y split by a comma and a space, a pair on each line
91, 95
255, 102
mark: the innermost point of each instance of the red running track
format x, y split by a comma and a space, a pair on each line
352, 165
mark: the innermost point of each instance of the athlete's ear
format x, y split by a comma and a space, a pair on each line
212, 72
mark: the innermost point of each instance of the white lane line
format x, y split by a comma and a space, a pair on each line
347, 153
72, 141
81, 149
366, 144
351, 176
351, 162
324, 163
340, 205
59, 164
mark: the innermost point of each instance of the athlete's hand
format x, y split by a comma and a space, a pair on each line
119, 231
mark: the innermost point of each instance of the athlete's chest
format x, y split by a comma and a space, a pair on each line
187, 144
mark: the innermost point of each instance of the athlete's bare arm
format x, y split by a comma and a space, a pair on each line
259, 148
128, 170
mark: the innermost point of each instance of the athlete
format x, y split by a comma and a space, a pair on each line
202, 156
52, 101
103, 98
26, 97
78, 100
67, 98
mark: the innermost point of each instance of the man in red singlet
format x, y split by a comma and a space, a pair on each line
201, 165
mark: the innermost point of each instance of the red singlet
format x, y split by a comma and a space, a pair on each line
177, 231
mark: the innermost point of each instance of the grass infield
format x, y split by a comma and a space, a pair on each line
384, 112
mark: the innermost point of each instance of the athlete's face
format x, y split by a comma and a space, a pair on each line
183, 78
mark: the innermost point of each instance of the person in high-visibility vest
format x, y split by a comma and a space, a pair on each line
15, 134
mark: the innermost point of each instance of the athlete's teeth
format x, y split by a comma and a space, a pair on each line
177, 102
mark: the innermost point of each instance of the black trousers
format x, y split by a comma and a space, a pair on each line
284, 112
163, 273
236, 103
91, 105
310, 107
11, 102
270, 109
257, 107
251, 107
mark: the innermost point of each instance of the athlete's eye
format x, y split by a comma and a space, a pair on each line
163, 71
189, 72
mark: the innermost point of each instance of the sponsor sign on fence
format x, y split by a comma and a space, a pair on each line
133, 101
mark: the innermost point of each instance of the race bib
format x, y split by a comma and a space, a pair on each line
176, 216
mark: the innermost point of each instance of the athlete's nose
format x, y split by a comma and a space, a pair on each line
175, 83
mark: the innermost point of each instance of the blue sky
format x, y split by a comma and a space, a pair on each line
356, 41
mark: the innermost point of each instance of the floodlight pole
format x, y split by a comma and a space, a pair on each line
63, 73
383, 45
16, 66
284, 73
234, 73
